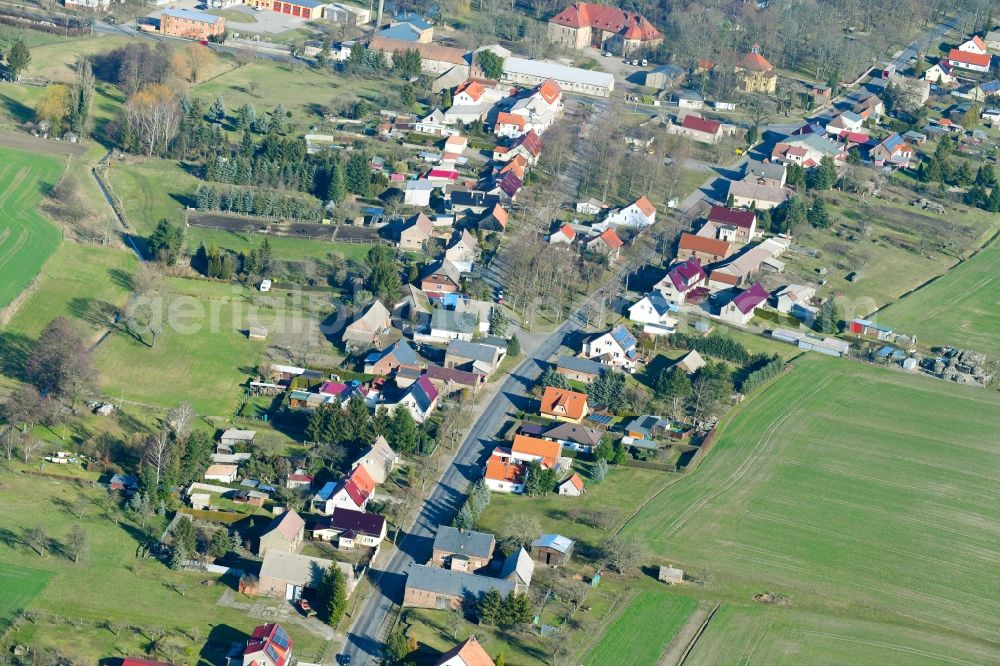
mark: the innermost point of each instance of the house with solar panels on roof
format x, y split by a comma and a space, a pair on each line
269, 645
616, 348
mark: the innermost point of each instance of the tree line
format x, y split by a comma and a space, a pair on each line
259, 202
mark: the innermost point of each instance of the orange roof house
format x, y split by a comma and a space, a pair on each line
504, 118
550, 91
707, 250
564, 405
530, 449
584, 24
646, 206
468, 653
474, 89
518, 165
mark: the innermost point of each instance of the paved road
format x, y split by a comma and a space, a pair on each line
364, 641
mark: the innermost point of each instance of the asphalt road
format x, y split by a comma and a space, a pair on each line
364, 642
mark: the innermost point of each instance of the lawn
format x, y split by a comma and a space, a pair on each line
858, 493
20, 586
151, 190
301, 90
202, 354
26, 237
644, 629
620, 493
959, 308
67, 287
139, 185
111, 602
766, 635
901, 248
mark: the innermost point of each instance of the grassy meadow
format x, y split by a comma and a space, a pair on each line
644, 629
26, 237
901, 248
959, 308
112, 602
857, 493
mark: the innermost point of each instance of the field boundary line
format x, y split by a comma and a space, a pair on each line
623, 606
681, 477
694, 640
751, 458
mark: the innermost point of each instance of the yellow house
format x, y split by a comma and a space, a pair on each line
754, 74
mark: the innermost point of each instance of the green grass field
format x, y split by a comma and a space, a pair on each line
959, 308
860, 494
202, 355
904, 247
67, 287
766, 635
622, 492
20, 586
643, 630
26, 237
109, 584
139, 185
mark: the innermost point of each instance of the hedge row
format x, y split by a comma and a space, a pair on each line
758, 378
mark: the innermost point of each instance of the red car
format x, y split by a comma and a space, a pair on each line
306, 609
204, 42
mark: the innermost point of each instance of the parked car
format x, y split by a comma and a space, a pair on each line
635, 63
645, 63
305, 608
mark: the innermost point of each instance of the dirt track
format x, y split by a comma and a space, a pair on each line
28, 142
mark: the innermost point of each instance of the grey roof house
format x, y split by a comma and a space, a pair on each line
431, 587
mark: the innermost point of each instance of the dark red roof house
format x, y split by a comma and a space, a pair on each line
747, 301
531, 142
686, 274
701, 125
269, 645
745, 219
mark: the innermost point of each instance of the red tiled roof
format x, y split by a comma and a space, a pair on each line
500, 214
473, 89
498, 470
469, 653
363, 479
568, 231
704, 244
573, 403
755, 62
504, 118
533, 446
576, 481
725, 278
646, 206
977, 59
978, 41
701, 124
737, 218
610, 19
611, 239
550, 91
